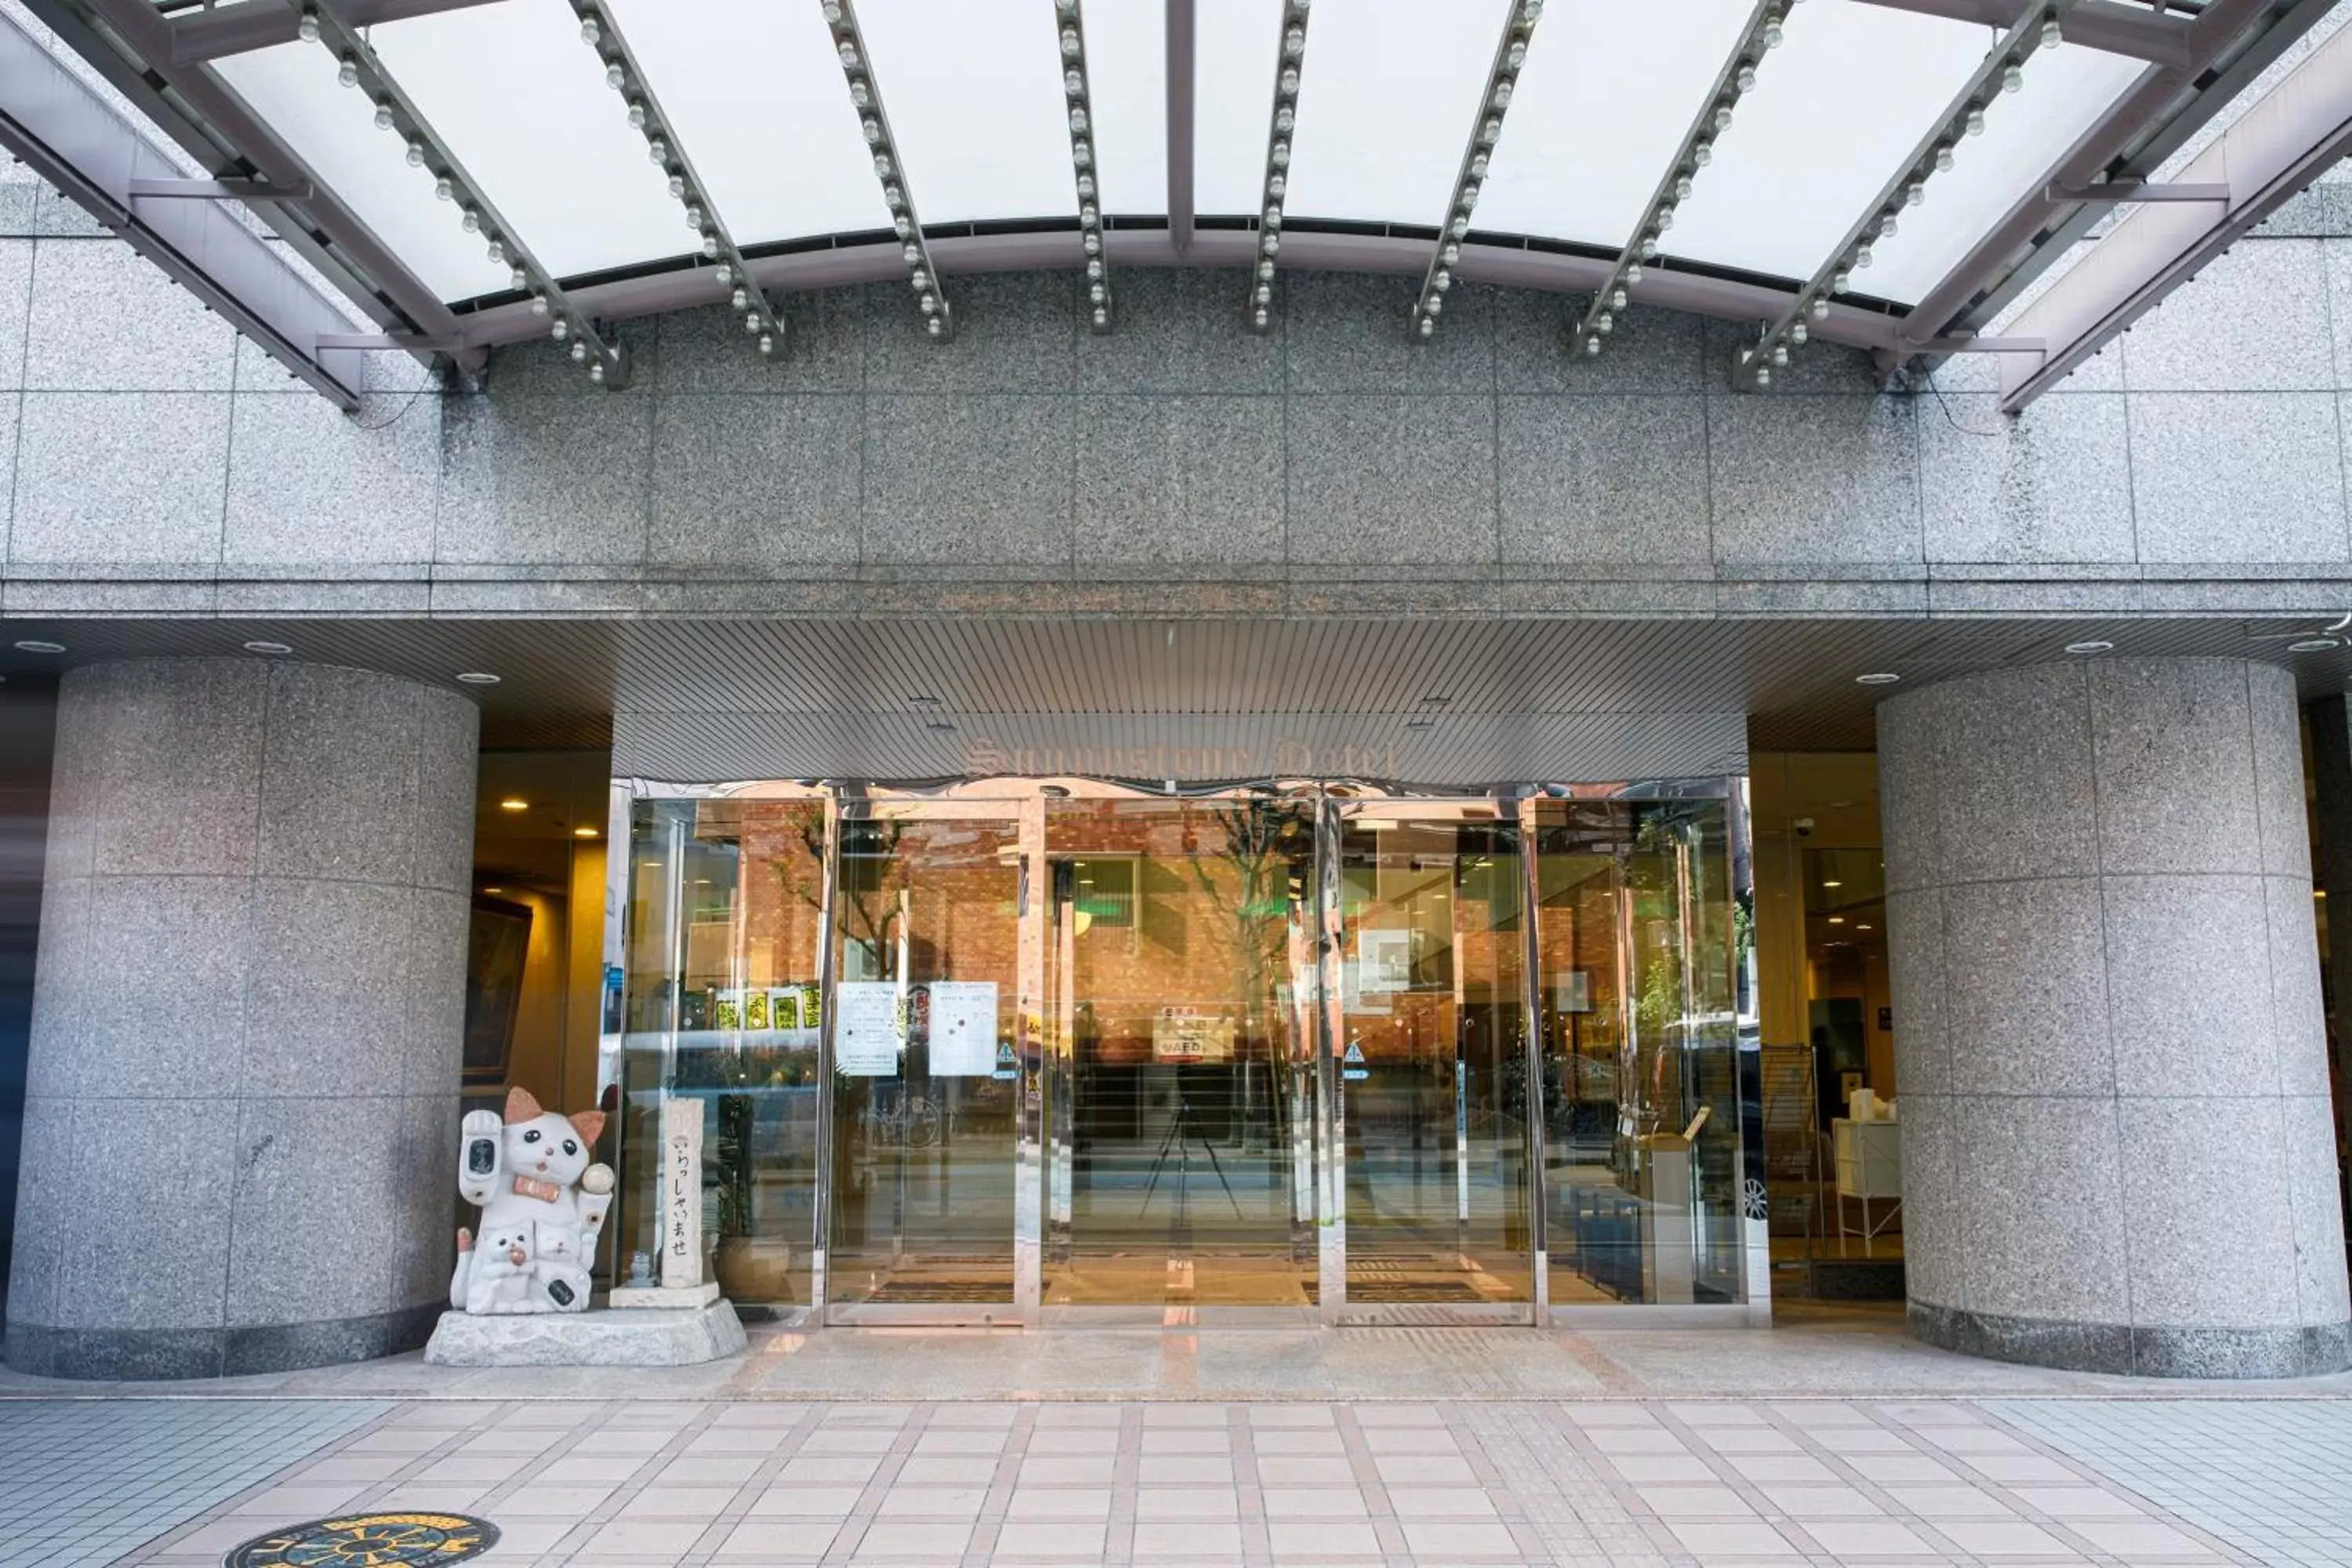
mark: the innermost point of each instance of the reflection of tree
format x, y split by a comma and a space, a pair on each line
873, 873
1268, 845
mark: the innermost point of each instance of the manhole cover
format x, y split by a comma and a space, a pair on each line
370, 1541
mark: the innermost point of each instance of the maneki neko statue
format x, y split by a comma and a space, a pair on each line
533, 1174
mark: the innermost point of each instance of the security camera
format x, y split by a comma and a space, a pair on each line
1804, 826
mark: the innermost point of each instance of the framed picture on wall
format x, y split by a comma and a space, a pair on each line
497, 942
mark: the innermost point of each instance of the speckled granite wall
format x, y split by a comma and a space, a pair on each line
2118, 1149
243, 1096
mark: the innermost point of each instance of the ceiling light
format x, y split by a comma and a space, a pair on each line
514, 803
2308, 644
267, 647
1837, 920
494, 889
2091, 646
34, 644
2002, 70
1833, 884
1877, 677
584, 833
1510, 55
478, 678
1696, 152
1865, 928
1277, 156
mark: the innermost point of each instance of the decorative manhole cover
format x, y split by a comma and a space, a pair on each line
370, 1541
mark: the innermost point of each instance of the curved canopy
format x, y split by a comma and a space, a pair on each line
1390, 92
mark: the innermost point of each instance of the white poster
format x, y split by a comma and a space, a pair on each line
869, 1036
963, 1029
1385, 959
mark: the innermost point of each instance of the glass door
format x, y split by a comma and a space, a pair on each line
1641, 1160
1430, 1040
1181, 1087
925, 1033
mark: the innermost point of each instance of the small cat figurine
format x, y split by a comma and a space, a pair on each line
534, 1176
499, 1280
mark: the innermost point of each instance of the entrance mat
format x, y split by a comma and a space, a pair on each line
947, 1293
377, 1540
1412, 1291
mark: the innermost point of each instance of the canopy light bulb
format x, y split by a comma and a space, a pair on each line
741, 298
1287, 82
1094, 267
1293, 43
472, 222
936, 327
2052, 34
1279, 155
767, 343
561, 331
901, 227
860, 94
637, 115
893, 197
1265, 269
1277, 186
538, 304
1070, 44
1433, 304
710, 247
1887, 226
1821, 309
919, 279
1518, 54
1258, 321
1478, 166
1428, 326
497, 253
590, 33
1489, 132
1943, 160
1763, 375
1077, 121
1771, 37
931, 304
657, 151
579, 352
1441, 280
1617, 299
882, 165
306, 29
833, 13
1270, 244
1591, 348
1682, 188
596, 373
1449, 255
848, 55
1780, 353
416, 154
348, 73
444, 189
384, 117
1502, 96
694, 217
1974, 124
1082, 156
1915, 192
519, 279
1604, 324
1285, 119
1722, 118
616, 77
1102, 316
1746, 78
1074, 84
1632, 275
1702, 153
1091, 242
751, 322
2012, 80
1862, 256
1798, 333
677, 187
722, 274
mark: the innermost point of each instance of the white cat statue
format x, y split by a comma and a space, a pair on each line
543, 1197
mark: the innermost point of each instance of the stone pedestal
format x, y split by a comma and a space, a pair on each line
2118, 1153
641, 1337
247, 1018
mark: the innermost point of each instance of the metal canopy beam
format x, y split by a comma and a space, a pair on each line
600, 29
79, 143
252, 25
914, 250
232, 142
1485, 130
2230, 42
1183, 34
2299, 127
2103, 25
1506, 265
396, 114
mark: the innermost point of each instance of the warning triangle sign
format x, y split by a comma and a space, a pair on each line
1004, 1053
1355, 1053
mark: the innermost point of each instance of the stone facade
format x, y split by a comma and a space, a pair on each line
2120, 1151
242, 1114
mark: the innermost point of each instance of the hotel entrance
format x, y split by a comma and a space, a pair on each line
1033, 1051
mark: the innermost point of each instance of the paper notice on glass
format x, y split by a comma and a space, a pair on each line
963, 1029
867, 1036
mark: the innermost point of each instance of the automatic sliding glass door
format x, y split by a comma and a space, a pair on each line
924, 1036
1430, 1075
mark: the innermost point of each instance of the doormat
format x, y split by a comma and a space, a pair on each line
928, 1293
370, 1541
1414, 1291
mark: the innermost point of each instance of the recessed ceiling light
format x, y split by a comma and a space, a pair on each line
478, 678
494, 889
1833, 884
584, 833
1877, 677
2091, 646
1421, 724
1865, 928
268, 647
942, 725
2308, 644
514, 803
34, 644
1435, 700
925, 700
1837, 920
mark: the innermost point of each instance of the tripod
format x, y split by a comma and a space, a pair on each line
1178, 1141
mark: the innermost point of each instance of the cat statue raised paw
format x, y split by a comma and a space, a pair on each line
543, 1197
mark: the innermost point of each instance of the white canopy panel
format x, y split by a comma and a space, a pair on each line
1392, 92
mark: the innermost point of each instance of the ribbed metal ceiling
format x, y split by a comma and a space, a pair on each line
1449, 701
